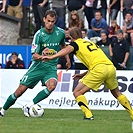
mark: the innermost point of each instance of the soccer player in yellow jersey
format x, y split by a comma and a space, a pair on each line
100, 69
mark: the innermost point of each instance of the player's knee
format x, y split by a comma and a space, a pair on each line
116, 92
51, 87
75, 93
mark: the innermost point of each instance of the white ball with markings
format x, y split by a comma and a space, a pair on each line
36, 111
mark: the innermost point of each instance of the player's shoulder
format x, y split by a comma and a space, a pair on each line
58, 29
38, 32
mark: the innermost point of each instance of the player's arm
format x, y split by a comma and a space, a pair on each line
68, 62
37, 56
62, 52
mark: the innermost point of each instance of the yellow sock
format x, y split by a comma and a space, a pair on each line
126, 104
82, 102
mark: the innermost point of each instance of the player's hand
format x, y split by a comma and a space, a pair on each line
46, 58
45, 51
40, 57
68, 65
77, 77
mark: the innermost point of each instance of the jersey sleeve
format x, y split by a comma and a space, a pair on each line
75, 46
35, 44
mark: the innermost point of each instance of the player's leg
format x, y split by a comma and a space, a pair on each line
50, 86
82, 101
123, 101
12, 98
48, 80
112, 83
92, 80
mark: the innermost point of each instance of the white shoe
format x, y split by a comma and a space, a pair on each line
26, 110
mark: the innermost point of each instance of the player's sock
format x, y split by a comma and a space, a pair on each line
2, 111
41, 95
82, 102
10, 101
126, 104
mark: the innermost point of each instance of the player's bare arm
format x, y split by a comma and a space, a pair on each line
37, 57
62, 52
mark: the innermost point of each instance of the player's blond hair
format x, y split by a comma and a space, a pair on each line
75, 33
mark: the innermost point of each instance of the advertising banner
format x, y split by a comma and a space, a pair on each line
24, 53
62, 97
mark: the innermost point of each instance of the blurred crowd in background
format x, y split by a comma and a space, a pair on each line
105, 22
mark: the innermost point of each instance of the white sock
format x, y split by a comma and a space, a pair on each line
3, 111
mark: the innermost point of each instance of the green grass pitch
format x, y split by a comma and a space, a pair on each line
66, 121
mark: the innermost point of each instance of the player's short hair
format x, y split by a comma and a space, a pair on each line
52, 13
75, 33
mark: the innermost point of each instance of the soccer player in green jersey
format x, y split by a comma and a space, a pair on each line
52, 38
101, 70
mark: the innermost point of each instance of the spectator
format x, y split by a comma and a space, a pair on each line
126, 5
89, 11
113, 29
60, 22
100, 5
114, 8
119, 51
98, 24
39, 8
128, 27
105, 41
84, 34
15, 62
60, 8
75, 21
77, 5
14, 9
67, 38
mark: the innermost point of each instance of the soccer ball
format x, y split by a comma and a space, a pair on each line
36, 111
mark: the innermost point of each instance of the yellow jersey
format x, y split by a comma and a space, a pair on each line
89, 53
